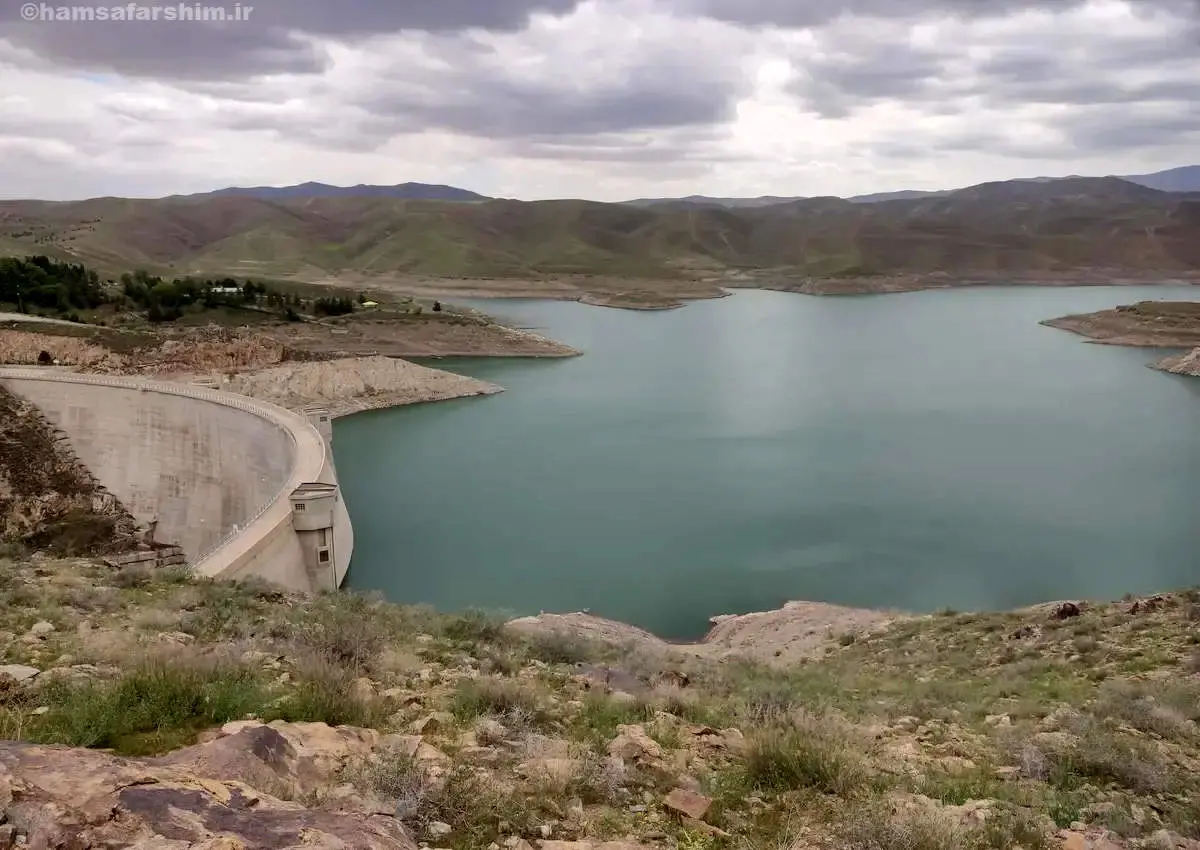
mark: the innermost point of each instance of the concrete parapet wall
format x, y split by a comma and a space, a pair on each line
213, 469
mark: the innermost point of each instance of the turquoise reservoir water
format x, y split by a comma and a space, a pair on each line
926, 450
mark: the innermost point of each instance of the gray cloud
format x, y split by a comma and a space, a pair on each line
788, 13
1039, 74
270, 41
687, 149
507, 108
795, 13
852, 67
477, 89
863, 72
634, 90
1082, 132
1104, 130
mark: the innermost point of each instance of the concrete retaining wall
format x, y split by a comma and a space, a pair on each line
213, 468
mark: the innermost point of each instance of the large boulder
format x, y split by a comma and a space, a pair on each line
300, 757
84, 799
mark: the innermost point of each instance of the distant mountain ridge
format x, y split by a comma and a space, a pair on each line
1183, 179
411, 191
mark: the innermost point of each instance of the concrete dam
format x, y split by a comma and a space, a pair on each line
243, 487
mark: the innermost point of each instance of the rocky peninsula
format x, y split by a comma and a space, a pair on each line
255, 364
1146, 324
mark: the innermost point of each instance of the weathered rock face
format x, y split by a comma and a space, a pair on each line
200, 798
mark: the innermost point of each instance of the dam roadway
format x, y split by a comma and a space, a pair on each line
244, 487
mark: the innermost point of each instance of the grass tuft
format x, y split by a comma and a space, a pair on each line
157, 706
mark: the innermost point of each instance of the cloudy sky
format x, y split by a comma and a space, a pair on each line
604, 99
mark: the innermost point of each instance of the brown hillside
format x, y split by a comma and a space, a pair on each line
1018, 227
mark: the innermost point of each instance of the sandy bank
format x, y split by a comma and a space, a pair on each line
348, 385
797, 631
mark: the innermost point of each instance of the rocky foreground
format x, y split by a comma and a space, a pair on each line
152, 711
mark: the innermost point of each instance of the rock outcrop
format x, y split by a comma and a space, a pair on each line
1181, 364
206, 797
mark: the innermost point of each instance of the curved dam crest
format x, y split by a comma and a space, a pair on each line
243, 487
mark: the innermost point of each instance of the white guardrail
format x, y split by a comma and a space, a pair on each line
304, 439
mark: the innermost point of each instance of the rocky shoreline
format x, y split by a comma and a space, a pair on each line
1151, 324
1181, 364
1147, 324
920, 281
349, 385
797, 631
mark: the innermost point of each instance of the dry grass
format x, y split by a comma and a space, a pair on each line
813, 754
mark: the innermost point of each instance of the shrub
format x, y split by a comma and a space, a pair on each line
342, 630
397, 777
559, 647
876, 828
326, 693
792, 759
600, 716
769, 701
1162, 709
132, 576
475, 807
1107, 755
505, 698
474, 626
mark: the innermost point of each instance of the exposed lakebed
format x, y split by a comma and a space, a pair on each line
920, 451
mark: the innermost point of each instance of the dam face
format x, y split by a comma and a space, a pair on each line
228, 479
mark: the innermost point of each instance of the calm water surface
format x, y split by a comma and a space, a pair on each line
926, 450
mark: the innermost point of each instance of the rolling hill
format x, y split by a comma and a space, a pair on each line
1015, 227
